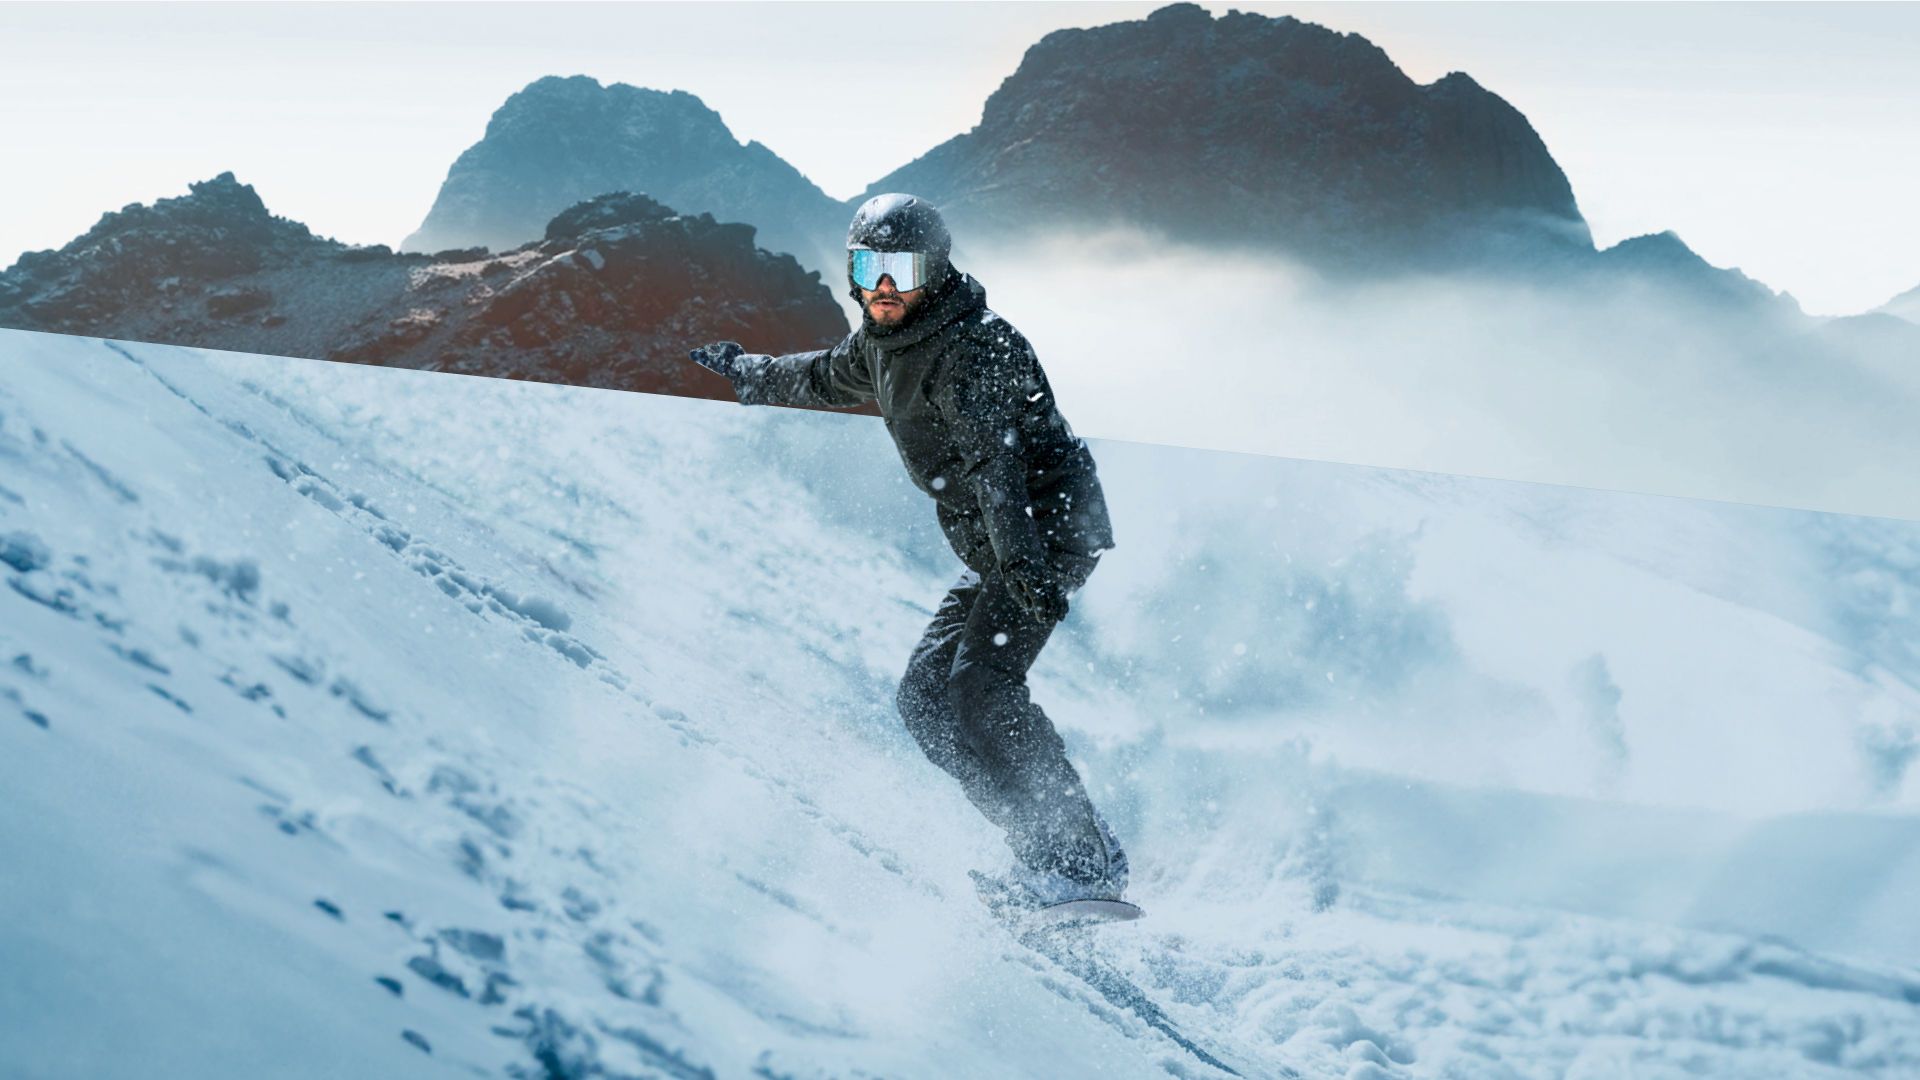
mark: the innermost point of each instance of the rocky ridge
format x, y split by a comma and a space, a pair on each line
608, 297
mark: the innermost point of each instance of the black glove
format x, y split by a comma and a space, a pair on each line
721, 358
1037, 588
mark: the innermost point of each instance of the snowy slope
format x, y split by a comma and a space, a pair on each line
380, 723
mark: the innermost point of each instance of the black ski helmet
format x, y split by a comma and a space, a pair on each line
898, 222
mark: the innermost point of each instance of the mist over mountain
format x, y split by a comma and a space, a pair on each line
1664, 262
1890, 342
1259, 132
562, 140
1646, 381
1905, 306
609, 296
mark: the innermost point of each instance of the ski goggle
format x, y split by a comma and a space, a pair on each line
908, 269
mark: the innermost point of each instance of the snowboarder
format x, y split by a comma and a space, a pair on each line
1014, 490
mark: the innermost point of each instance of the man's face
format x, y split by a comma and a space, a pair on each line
888, 306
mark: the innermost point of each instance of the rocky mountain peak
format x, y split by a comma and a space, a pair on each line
581, 104
606, 212
1179, 13
224, 196
562, 140
1665, 261
1248, 130
221, 213
219, 229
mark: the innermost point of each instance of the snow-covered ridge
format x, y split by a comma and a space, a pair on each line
376, 722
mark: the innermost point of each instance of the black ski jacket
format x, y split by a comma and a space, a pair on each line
975, 422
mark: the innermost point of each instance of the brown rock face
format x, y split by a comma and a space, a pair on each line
613, 296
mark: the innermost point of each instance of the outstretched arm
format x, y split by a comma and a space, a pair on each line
835, 378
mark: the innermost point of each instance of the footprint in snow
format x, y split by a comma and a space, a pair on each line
139, 658
24, 551
33, 716
168, 696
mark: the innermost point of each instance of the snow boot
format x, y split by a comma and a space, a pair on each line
1050, 886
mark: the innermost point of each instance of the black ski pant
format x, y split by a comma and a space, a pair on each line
965, 700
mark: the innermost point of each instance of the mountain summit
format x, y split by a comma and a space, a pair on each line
1260, 131
564, 140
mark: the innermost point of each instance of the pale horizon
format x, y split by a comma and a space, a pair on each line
1779, 139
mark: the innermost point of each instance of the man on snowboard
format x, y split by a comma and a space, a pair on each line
970, 410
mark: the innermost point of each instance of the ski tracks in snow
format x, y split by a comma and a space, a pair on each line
529, 921
559, 920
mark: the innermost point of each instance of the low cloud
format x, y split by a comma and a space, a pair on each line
1624, 387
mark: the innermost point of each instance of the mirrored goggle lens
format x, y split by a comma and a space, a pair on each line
908, 269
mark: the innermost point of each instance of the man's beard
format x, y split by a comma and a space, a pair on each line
879, 329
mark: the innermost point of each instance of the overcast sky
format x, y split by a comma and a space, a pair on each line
1780, 138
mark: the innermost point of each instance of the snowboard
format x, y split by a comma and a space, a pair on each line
1010, 905
1075, 912
1066, 934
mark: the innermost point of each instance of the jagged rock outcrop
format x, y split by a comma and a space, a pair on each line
219, 231
612, 295
563, 140
1256, 131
